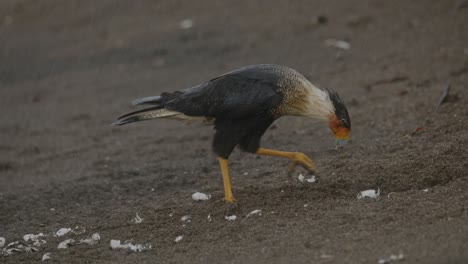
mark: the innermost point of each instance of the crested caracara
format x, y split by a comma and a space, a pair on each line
242, 104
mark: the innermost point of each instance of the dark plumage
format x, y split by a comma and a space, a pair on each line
243, 103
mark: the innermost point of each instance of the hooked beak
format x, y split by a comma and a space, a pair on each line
341, 137
340, 132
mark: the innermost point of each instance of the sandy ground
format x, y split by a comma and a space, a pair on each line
69, 68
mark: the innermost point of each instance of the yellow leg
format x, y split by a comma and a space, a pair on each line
297, 158
228, 197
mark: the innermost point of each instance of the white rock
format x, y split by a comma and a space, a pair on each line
186, 24
62, 232
137, 219
186, 218
255, 212
46, 256
178, 238
340, 44
198, 196
369, 194
2, 241
66, 243
230, 218
115, 244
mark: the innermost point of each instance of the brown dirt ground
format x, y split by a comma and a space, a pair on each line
69, 68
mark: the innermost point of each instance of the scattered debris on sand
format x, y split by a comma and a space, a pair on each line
302, 178
66, 243
198, 196
19, 247
374, 194
339, 44
46, 256
186, 23
35, 239
392, 259
255, 212
79, 230
443, 97
230, 217
115, 244
93, 240
186, 218
62, 232
137, 219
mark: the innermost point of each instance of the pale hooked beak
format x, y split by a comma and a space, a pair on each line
340, 143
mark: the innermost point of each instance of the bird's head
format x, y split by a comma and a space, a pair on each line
338, 120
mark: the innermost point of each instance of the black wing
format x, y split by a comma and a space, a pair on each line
237, 95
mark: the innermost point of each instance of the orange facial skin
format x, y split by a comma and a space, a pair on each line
339, 131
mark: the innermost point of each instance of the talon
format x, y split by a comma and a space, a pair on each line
230, 199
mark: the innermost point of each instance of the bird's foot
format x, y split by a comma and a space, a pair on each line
229, 199
303, 161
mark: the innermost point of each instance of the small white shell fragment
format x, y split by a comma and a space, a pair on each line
79, 230
186, 23
311, 179
91, 241
425, 190
178, 238
369, 194
35, 239
391, 259
32, 237
340, 44
115, 244
186, 218
255, 212
96, 236
209, 218
62, 232
198, 196
137, 219
46, 256
2, 241
230, 218
66, 243
301, 178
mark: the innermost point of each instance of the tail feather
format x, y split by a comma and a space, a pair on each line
147, 100
157, 111
157, 100
144, 114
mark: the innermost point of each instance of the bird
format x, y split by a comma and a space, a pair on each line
242, 104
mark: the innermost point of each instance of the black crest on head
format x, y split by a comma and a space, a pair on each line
340, 109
